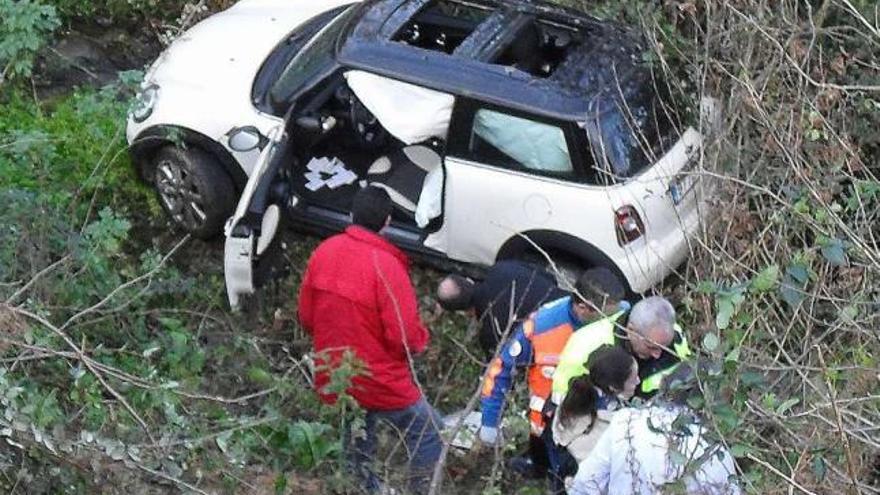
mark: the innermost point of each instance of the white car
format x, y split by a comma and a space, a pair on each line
500, 128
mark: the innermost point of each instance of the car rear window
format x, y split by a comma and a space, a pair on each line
630, 136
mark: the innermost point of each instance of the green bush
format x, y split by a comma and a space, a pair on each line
73, 152
25, 28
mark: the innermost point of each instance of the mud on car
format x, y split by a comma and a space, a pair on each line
500, 129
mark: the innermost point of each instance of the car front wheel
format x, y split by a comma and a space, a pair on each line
195, 192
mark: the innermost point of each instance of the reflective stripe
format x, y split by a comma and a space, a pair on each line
577, 351
536, 403
682, 352
494, 370
529, 328
515, 349
652, 383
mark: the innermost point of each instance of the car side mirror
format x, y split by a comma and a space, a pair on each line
246, 138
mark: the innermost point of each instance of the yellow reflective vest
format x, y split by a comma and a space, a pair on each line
577, 351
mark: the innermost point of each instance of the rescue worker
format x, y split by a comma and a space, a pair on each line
537, 342
511, 291
649, 332
646, 333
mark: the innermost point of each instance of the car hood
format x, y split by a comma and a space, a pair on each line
225, 51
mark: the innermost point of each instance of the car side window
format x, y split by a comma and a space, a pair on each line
510, 141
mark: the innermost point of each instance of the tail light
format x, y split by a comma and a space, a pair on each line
628, 224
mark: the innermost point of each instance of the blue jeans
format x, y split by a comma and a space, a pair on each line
418, 426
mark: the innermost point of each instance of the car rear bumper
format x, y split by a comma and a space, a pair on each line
649, 261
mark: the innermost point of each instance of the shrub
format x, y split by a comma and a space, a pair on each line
74, 154
25, 28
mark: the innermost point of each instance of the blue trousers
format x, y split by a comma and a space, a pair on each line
562, 463
416, 427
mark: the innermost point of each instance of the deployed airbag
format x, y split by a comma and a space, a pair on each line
534, 145
410, 113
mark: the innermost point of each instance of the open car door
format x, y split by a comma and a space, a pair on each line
253, 229
255, 223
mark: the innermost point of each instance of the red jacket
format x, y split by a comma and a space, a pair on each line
357, 294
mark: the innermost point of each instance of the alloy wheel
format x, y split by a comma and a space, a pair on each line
180, 194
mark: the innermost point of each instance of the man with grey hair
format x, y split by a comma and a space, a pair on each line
648, 332
655, 339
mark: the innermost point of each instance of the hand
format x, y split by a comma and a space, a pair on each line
435, 313
488, 435
485, 440
548, 412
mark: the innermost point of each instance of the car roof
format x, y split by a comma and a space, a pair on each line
605, 65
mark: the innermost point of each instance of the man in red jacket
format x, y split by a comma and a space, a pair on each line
356, 295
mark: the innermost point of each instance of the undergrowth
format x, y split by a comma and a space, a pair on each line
121, 367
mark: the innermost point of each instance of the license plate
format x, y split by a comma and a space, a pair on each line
680, 186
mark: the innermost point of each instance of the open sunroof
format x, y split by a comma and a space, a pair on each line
539, 47
442, 25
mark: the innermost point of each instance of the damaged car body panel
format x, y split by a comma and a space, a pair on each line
533, 122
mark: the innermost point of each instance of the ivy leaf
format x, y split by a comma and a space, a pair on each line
727, 303
223, 441
752, 379
710, 342
766, 280
740, 450
732, 356
849, 313
725, 313
819, 468
799, 272
793, 284
834, 251
259, 376
727, 417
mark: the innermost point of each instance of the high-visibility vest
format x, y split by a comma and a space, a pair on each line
651, 384
546, 348
573, 359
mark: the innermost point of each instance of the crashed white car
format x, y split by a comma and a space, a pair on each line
500, 128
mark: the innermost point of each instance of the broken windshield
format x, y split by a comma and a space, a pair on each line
315, 58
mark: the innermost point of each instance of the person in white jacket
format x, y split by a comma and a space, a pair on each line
652, 449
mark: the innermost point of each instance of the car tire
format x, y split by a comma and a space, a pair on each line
193, 190
569, 269
566, 272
